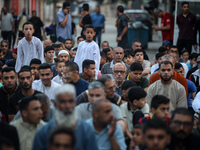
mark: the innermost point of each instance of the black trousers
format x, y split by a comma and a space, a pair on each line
187, 44
7, 36
123, 42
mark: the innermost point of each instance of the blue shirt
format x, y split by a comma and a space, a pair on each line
191, 89
98, 19
103, 140
80, 86
55, 73
64, 32
85, 139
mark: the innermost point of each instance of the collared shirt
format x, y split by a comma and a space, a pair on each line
6, 22
26, 132
66, 31
84, 111
103, 140
26, 52
97, 19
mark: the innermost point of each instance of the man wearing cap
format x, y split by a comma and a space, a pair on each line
167, 24
166, 44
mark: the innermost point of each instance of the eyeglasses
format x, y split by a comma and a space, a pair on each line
65, 74
121, 72
179, 123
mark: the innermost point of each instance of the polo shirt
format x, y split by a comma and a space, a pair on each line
6, 22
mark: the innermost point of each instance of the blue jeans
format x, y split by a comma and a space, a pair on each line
98, 31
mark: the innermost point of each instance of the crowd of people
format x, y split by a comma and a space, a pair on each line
93, 96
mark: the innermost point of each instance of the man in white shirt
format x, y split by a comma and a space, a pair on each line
45, 85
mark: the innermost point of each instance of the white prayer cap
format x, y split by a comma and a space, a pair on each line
63, 52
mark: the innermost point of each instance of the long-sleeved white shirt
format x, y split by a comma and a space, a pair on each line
88, 51
26, 52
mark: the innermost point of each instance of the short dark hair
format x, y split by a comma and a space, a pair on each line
4, 41
184, 51
136, 67
25, 68
72, 66
165, 63
35, 61
59, 62
138, 50
8, 69
120, 8
158, 100
182, 111
80, 37
26, 23
162, 49
136, 93
68, 40
48, 48
62, 130
128, 52
24, 102
105, 50
193, 55
74, 49
44, 66
89, 26
158, 55
178, 66
86, 63
4, 141
173, 46
155, 123
85, 7
65, 4
184, 2
128, 84
103, 54
104, 78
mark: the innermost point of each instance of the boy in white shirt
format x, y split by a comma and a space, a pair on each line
59, 67
29, 47
88, 49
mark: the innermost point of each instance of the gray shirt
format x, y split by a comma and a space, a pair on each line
84, 111
122, 22
6, 22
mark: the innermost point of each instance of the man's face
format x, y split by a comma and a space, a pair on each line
94, 94
135, 75
97, 10
109, 55
139, 57
136, 45
129, 59
181, 126
4, 47
49, 54
167, 46
34, 14
137, 136
118, 55
105, 115
45, 76
166, 72
65, 101
5, 10
33, 113
68, 44
74, 54
28, 30
173, 50
34, 70
89, 34
161, 112
180, 70
69, 75
9, 79
61, 141
119, 73
25, 80
185, 8
156, 139
159, 14
66, 10
90, 71
110, 89
63, 57
104, 45
47, 43
80, 40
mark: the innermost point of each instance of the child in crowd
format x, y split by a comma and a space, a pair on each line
125, 88
129, 56
88, 49
29, 47
137, 139
185, 55
155, 67
193, 60
49, 55
74, 51
59, 68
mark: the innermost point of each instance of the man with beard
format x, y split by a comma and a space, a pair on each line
108, 133
65, 116
25, 81
168, 88
181, 129
119, 74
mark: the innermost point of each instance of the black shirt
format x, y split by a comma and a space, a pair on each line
14, 101
122, 22
86, 20
9, 55
73, 27
37, 25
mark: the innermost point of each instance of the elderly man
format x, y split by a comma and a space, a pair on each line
96, 90
118, 54
108, 134
65, 116
119, 74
